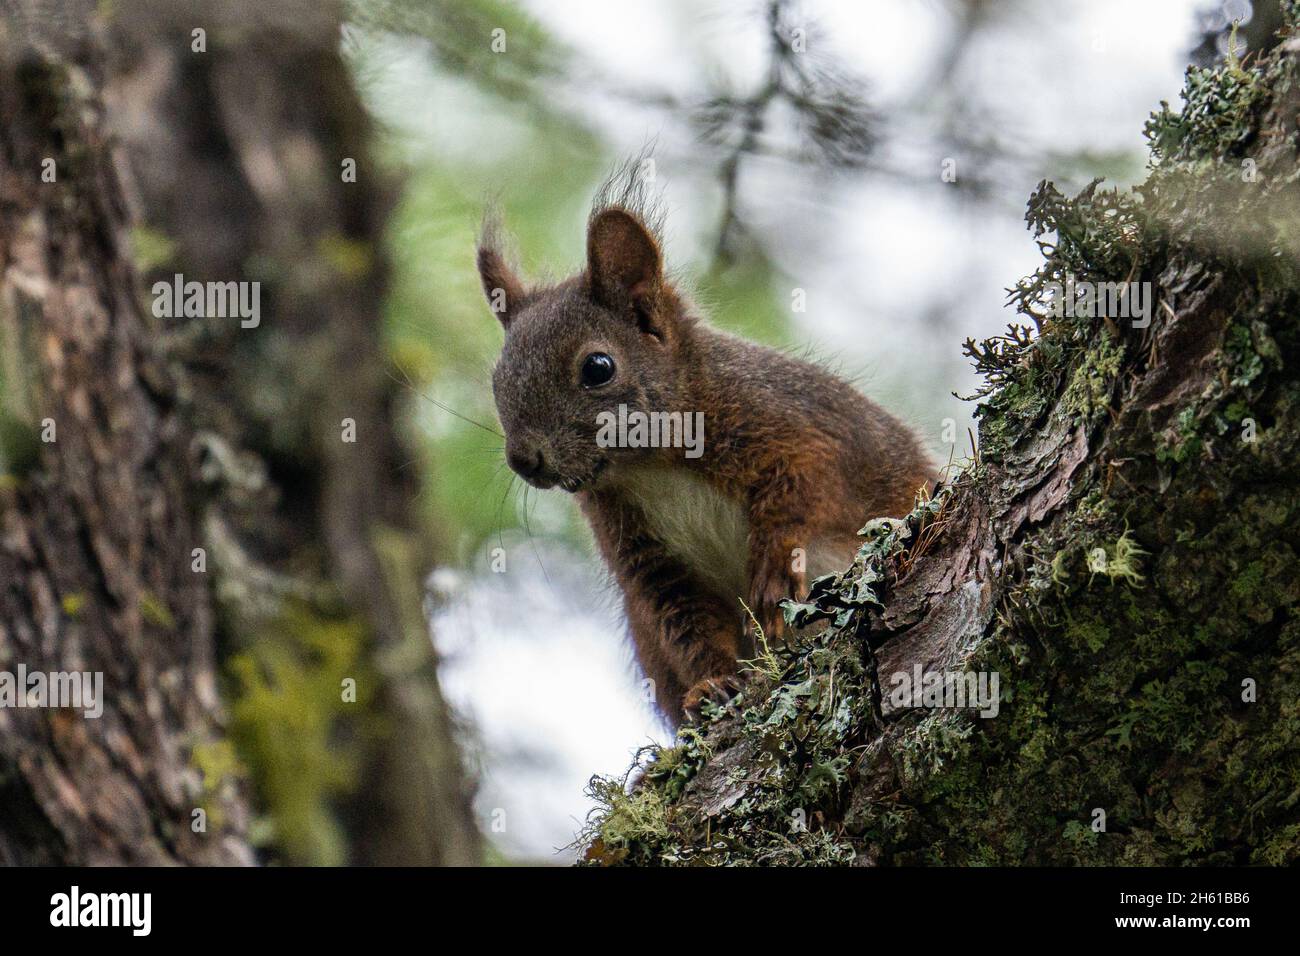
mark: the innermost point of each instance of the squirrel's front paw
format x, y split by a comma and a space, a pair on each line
717, 689
768, 594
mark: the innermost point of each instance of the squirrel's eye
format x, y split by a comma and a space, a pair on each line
597, 369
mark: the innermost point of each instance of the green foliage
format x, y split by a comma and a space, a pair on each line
459, 36
744, 298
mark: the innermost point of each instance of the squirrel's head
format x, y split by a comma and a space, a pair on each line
606, 337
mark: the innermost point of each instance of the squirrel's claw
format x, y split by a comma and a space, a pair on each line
775, 585
717, 689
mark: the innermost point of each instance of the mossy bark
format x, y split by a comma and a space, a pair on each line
1122, 555
243, 156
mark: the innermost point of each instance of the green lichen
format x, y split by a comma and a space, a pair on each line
628, 820
1218, 119
799, 716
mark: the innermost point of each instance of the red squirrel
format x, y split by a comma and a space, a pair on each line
793, 461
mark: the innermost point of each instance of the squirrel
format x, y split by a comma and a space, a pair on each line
793, 460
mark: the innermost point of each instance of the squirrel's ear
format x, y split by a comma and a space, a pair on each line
623, 261
500, 284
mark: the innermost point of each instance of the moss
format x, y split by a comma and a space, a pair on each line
151, 248
1088, 392
1021, 406
1088, 632
219, 771
153, 610
72, 604
296, 733
1266, 583
1182, 443
350, 259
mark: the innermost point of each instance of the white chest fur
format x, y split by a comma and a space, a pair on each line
706, 530
709, 532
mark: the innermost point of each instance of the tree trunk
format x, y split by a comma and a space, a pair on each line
235, 149
100, 517
1122, 556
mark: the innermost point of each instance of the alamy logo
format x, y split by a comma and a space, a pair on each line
103, 909
212, 300
80, 690
637, 429
946, 689
1110, 300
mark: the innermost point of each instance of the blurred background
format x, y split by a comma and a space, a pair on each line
847, 178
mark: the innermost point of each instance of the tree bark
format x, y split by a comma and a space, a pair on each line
1122, 555
95, 548
230, 166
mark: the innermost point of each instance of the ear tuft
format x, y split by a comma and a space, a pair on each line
624, 264
500, 284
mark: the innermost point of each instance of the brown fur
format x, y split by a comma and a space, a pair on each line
807, 458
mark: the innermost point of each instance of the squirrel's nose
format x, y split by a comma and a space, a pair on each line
527, 463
